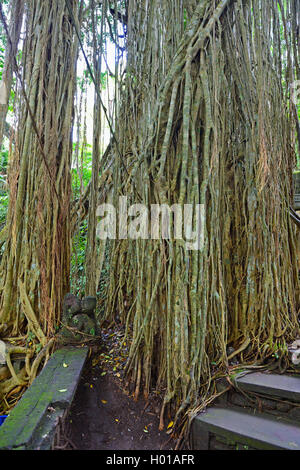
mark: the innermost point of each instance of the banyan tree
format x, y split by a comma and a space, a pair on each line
203, 117
35, 262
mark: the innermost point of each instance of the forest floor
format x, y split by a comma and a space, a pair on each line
104, 415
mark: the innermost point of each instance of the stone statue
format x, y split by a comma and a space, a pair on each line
78, 318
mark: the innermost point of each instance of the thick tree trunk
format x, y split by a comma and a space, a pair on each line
35, 265
205, 121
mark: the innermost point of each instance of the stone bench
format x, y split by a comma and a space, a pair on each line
32, 424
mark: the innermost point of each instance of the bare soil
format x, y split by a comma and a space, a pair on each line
104, 416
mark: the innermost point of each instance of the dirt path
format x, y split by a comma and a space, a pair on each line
103, 416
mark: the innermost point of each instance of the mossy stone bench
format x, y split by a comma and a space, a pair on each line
32, 424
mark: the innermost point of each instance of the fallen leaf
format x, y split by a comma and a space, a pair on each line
104, 402
171, 424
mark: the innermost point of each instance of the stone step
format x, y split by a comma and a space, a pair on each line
281, 386
258, 431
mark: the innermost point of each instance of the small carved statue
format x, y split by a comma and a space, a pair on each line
78, 318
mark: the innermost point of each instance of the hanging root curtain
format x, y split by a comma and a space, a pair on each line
35, 244
205, 118
35, 265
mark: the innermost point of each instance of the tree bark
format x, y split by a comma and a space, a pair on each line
16, 19
35, 266
205, 122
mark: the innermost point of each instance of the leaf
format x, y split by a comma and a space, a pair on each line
65, 365
103, 374
63, 390
171, 424
104, 402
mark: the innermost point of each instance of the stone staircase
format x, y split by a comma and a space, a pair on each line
262, 411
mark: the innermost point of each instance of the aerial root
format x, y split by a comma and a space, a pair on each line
14, 383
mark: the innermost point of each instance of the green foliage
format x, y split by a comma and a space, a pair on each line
81, 176
185, 19
3, 161
86, 79
78, 277
3, 208
83, 171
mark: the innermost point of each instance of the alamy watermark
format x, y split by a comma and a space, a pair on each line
157, 222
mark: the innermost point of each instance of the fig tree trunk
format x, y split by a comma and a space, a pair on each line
205, 119
35, 265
